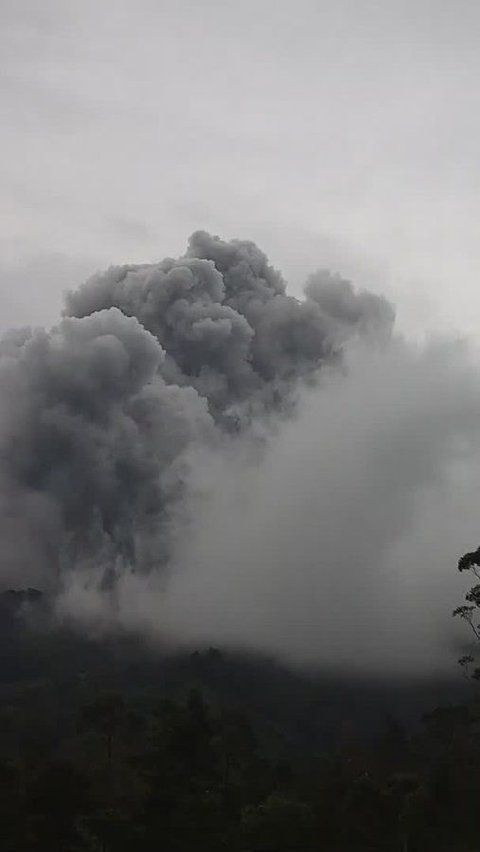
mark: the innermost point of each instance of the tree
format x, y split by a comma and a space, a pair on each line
58, 797
106, 716
278, 823
470, 611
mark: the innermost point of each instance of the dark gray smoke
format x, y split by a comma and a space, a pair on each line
90, 434
227, 327
100, 414
133, 482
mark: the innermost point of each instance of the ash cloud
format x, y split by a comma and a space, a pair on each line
90, 436
101, 415
339, 550
227, 326
194, 453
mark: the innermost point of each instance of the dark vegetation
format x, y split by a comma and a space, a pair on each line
110, 745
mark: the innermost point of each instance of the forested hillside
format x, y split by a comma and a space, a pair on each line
110, 744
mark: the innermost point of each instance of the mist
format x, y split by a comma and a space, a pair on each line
337, 550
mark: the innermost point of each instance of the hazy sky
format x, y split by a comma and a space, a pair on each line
337, 133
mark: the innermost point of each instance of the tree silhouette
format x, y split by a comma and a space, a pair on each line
470, 611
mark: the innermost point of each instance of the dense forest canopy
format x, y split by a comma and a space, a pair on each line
108, 744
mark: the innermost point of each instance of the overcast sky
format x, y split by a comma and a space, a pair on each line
332, 132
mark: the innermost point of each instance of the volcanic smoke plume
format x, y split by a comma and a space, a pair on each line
195, 452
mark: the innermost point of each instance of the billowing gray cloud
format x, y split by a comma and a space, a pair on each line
90, 432
371, 315
227, 325
133, 483
100, 414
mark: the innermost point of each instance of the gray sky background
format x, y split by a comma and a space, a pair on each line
337, 133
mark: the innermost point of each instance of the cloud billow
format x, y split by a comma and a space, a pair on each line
228, 328
131, 469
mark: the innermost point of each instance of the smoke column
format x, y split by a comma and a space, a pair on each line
195, 453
